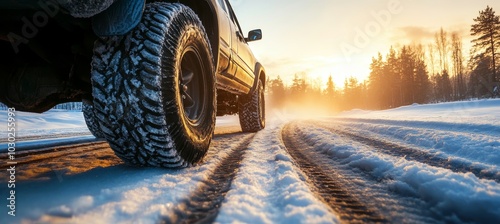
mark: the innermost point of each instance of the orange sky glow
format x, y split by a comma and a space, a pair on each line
339, 38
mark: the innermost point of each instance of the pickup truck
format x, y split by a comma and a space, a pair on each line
152, 75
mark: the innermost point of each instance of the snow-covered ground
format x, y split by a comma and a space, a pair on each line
469, 131
463, 133
473, 112
51, 123
269, 187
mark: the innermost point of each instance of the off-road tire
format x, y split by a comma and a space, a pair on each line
252, 111
91, 120
154, 89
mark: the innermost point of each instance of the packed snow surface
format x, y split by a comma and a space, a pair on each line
269, 187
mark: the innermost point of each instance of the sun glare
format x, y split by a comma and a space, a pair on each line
340, 72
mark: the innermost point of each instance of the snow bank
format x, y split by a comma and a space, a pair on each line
470, 146
52, 122
476, 112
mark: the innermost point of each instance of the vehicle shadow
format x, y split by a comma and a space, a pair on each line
65, 194
61, 190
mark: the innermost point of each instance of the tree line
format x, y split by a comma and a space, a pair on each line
417, 73
73, 106
305, 94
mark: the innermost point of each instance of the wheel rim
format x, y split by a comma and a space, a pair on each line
193, 86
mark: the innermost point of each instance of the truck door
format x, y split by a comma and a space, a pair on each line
242, 57
225, 38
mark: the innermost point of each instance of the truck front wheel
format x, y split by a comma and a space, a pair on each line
154, 89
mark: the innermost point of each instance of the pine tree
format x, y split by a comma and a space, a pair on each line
378, 83
352, 93
422, 83
330, 88
445, 86
487, 30
407, 68
299, 86
277, 92
391, 69
478, 83
330, 97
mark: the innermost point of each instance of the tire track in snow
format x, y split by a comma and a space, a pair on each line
329, 184
202, 205
396, 150
371, 191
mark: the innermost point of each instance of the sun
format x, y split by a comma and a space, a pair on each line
340, 72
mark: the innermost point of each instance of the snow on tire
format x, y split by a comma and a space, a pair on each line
154, 89
91, 120
252, 112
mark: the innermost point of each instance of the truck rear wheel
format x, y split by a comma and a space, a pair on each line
252, 110
154, 89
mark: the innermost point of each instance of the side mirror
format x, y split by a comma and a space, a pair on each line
254, 35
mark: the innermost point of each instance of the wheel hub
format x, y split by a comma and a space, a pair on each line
192, 86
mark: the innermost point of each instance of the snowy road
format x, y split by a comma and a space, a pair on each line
416, 164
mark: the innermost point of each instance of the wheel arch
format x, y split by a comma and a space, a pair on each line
206, 11
123, 16
260, 74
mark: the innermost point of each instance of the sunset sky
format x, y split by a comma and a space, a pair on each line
339, 38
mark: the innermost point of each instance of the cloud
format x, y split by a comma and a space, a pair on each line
414, 34
418, 34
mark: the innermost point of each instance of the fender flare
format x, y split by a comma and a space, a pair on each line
260, 74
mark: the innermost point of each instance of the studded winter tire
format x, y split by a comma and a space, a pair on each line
154, 89
252, 111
